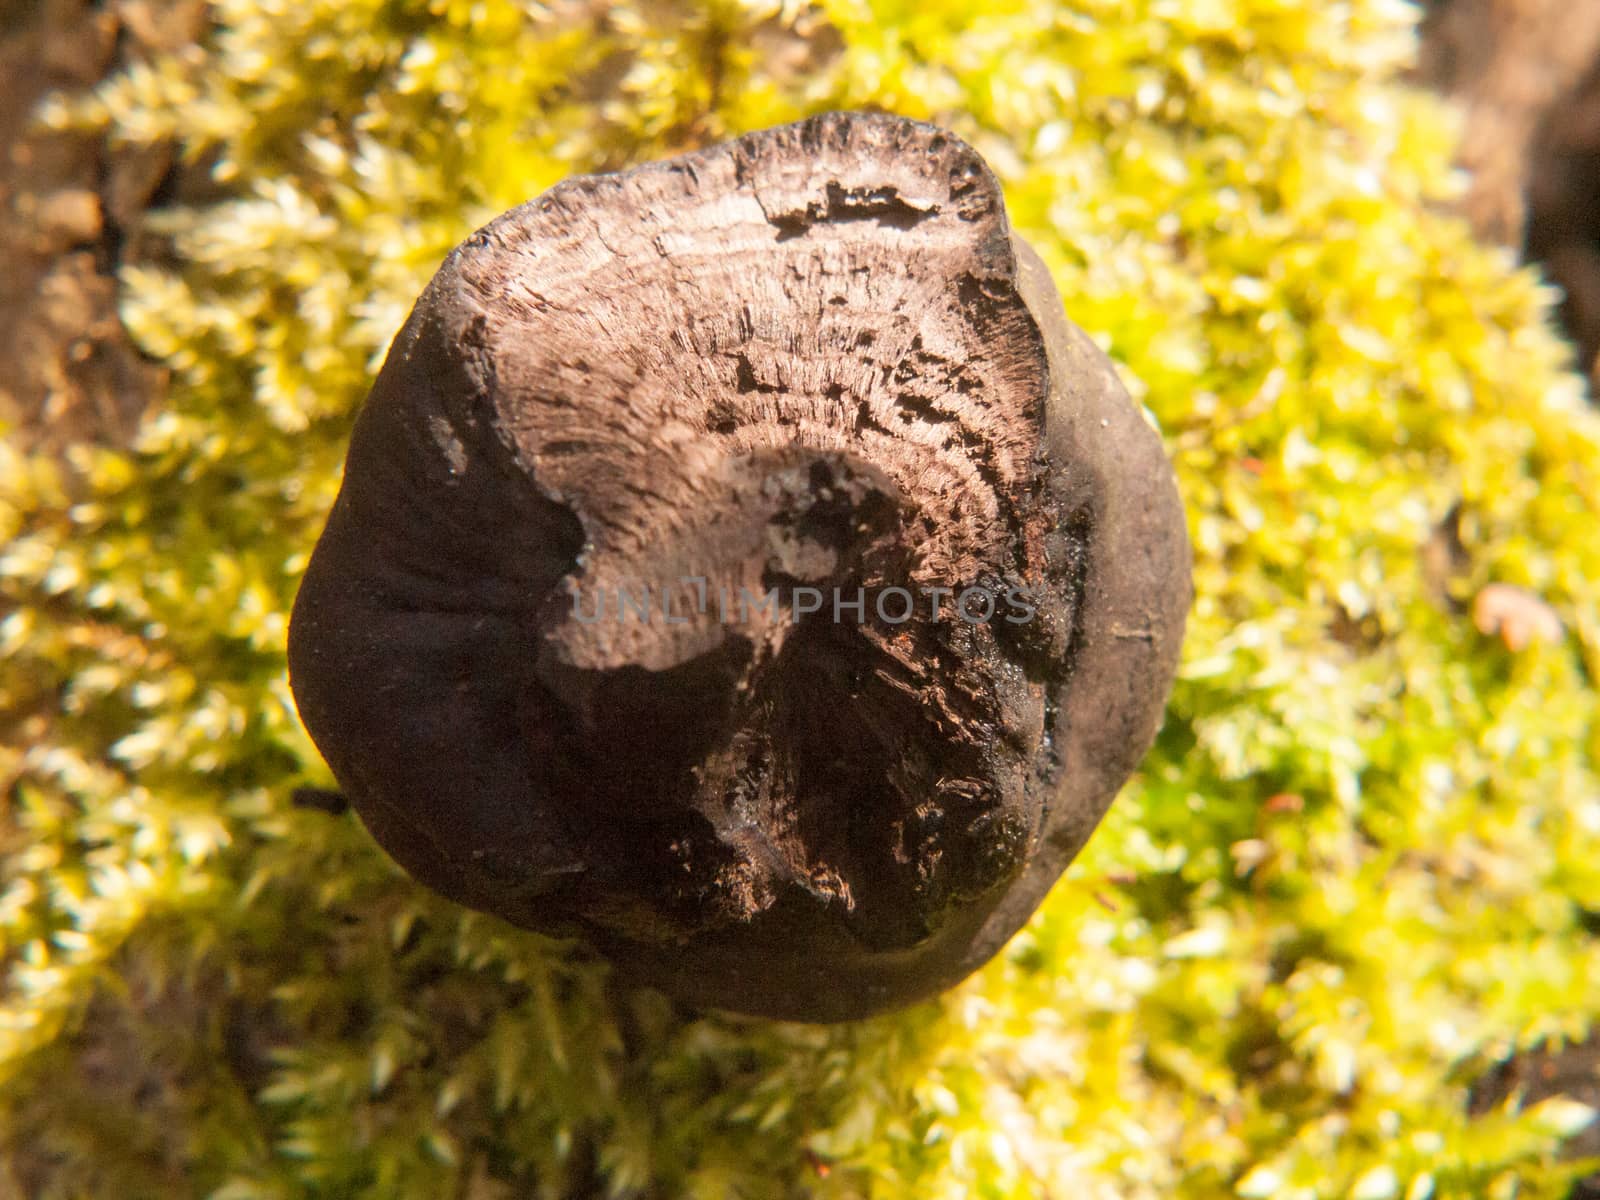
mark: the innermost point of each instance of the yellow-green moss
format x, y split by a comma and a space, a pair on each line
1352, 872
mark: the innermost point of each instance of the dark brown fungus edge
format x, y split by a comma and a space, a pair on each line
815, 357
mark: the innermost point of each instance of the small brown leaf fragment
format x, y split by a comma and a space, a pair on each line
1519, 617
1445, 561
1249, 854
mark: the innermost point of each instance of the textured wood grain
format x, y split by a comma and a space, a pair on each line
811, 358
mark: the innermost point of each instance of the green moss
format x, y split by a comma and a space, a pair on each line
1354, 867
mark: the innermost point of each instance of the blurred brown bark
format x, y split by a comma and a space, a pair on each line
71, 210
1528, 75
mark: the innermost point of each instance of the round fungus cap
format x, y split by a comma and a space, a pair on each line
743, 564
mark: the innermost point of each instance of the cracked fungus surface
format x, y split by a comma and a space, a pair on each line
813, 358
